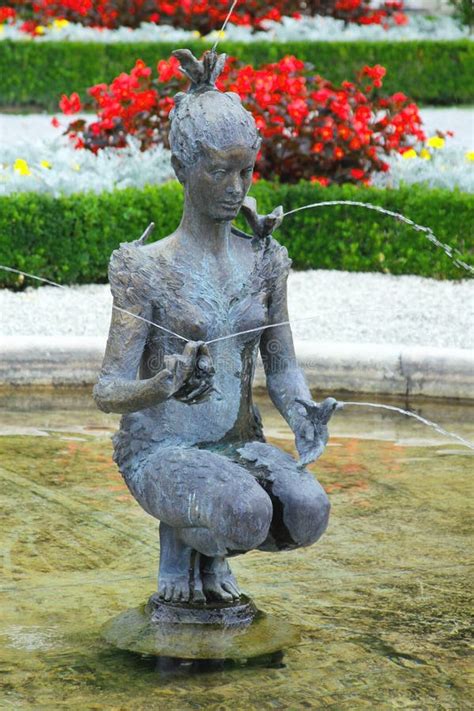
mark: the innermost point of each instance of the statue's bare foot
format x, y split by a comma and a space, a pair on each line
179, 577
173, 588
217, 580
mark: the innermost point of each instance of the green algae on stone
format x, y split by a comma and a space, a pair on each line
133, 631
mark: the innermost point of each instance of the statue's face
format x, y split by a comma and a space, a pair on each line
219, 182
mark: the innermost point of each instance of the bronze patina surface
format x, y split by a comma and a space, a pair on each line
191, 446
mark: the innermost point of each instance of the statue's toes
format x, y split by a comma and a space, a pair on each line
169, 592
215, 591
162, 586
198, 595
232, 589
174, 590
223, 594
181, 593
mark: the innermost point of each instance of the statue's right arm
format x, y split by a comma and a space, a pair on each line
118, 389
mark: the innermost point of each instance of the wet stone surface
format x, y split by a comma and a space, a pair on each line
382, 600
135, 630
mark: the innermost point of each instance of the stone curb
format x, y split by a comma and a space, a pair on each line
350, 367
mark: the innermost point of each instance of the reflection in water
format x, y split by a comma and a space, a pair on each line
383, 599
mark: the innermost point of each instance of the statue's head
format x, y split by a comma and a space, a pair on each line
214, 140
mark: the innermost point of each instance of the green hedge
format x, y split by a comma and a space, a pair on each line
438, 72
70, 239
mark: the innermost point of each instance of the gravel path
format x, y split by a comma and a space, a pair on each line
15, 128
348, 307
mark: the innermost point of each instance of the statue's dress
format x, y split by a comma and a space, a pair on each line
205, 464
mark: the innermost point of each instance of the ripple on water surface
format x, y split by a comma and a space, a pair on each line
382, 599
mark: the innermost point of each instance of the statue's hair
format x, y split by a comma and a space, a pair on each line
205, 116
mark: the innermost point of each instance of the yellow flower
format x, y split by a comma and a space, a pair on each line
45, 164
21, 167
60, 24
196, 33
40, 30
76, 167
470, 155
411, 153
2, 27
436, 142
426, 155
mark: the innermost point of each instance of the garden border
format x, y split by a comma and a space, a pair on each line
35, 74
70, 239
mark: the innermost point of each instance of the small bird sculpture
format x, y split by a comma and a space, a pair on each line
262, 226
202, 73
311, 438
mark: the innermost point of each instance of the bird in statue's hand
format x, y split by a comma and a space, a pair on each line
311, 431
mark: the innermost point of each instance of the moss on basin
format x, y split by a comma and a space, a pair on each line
382, 599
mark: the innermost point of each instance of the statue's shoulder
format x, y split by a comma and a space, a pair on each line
276, 261
130, 271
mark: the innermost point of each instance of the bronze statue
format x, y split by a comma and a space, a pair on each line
191, 446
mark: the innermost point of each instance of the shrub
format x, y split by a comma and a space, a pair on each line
311, 128
436, 73
464, 10
70, 239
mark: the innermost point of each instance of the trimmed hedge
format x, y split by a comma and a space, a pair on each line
36, 74
70, 239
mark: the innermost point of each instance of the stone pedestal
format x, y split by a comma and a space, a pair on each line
218, 632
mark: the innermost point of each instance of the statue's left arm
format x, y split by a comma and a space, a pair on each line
286, 382
285, 379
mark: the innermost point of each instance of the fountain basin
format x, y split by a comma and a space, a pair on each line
382, 602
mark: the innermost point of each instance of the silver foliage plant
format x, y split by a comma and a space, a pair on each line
448, 168
73, 171
316, 28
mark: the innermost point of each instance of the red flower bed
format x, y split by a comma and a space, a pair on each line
311, 128
7, 14
360, 11
201, 15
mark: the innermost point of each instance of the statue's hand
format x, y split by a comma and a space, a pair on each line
190, 375
311, 431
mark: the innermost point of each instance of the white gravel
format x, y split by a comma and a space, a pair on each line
458, 120
348, 307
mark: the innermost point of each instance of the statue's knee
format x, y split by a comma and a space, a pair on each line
248, 521
307, 517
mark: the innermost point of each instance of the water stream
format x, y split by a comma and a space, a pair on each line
451, 252
409, 413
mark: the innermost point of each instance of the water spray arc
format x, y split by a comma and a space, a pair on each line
219, 34
419, 418
427, 231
